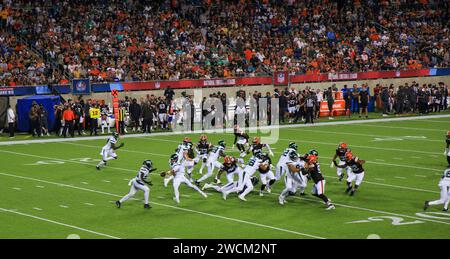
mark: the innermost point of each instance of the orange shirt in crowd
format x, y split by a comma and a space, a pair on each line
63, 81
68, 115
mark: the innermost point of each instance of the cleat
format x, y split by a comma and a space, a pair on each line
177, 200
330, 207
341, 177
205, 195
242, 198
197, 183
445, 210
352, 192
261, 194
347, 190
147, 206
269, 190
426, 205
206, 186
224, 196
281, 200
98, 167
302, 194
118, 204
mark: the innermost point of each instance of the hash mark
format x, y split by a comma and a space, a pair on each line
64, 206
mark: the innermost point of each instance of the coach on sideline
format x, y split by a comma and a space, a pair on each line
11, 120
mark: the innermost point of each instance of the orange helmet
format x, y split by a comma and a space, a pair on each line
349, 155
203, 138
343, 145
228, 160
256, 140
187, 139
448, 133
312, 159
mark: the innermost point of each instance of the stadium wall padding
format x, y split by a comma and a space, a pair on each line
4, 102
24, 106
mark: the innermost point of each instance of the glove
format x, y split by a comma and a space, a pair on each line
163, 174
332, 164
121, 145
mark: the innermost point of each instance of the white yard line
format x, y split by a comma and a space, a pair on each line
355, 122
371, 210
364, 135
398, 127
64, 206
226, 218
57, 223
89, 204
39, 209
173, 207
422, 176
128, 170
379, 179
40, 186
400, 177
17, 189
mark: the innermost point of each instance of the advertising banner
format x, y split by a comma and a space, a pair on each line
81, 86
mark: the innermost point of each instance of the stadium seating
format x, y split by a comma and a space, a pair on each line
190, 39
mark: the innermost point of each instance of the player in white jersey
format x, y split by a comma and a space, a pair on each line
444, 185
140, 183
282, 167
293, 179
231, 187
177, 171
245, 180
108, 151
185, 157
212, 162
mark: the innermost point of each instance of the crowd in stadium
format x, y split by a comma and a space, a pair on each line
168, 40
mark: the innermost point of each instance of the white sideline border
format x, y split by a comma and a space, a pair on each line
167, 206
228, 130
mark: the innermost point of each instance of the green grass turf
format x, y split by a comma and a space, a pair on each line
403, 170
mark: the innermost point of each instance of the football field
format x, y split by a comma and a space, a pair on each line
53, 190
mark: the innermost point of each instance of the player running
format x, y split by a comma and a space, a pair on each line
250, 169
240, 140
177, 171
357, 173
447, 151
312, 169
140, 183
340, 153
257, 147
266, 175
231, 168
231, 187
293, 178
184, 157
108, 151
203, 147
282, 168
444, 184
212, 162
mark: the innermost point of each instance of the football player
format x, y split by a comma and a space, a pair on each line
293, 178
447, 151
183, 158
282, 168
212, 162
256, 147
162, 112
266, 175
231, 168
312, 168
108, 151
231, 187
240, 140
177, 171
357, 173
444, 185
250, 169
340, 153
203, 147
140, 182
